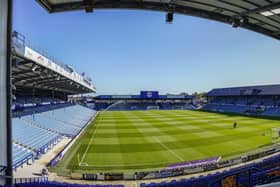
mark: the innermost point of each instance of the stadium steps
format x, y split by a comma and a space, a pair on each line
36, 134
37, 139
60, 127
64, 122
32, 122
20, 155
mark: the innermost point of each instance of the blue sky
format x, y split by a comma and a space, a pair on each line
125, 51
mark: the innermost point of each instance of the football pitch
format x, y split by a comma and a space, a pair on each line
146, 140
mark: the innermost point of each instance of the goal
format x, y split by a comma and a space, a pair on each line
275, 135
152, 107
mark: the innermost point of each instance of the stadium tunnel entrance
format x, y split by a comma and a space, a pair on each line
258, 16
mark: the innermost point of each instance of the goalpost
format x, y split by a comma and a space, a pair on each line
152, 107
275, 135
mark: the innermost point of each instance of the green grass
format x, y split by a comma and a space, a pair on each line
147, 140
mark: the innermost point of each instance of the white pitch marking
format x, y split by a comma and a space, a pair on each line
131, 165
83, 164
85, 153
169, 150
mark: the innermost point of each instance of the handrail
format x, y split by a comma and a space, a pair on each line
2, 168
30, 180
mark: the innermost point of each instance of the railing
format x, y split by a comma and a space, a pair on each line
2, 169
20, 41
30, 180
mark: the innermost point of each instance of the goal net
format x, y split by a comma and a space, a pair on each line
152, 107
275, 135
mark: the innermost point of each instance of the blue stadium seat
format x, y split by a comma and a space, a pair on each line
38, 139
20, 155
35, 134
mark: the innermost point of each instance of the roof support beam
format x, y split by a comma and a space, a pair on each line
261, 9
136, 4
26, 77
239, 19
37, 79
24, 62
45, 4
42, 81
21, 72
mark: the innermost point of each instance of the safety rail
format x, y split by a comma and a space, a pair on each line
30, 180
2, 169
19, 40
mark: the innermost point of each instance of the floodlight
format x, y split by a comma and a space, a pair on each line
169, 17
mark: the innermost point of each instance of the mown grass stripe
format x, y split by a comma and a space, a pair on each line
147, 139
